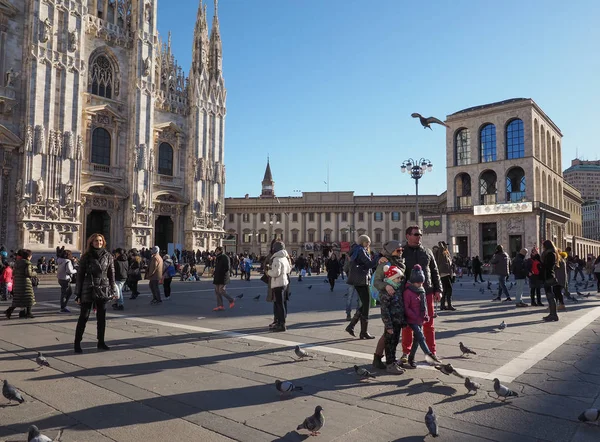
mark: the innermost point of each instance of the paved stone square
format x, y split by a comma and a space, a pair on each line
179, 371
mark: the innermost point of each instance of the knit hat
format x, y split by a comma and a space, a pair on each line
392, 272
391, 246
523, 252
363, 239
416, 274
277, 246
155, 250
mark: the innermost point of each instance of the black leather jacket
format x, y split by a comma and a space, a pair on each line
424, 257
98, 265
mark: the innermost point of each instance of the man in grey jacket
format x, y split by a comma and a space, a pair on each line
501, 267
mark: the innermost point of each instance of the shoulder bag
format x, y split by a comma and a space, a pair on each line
100, 294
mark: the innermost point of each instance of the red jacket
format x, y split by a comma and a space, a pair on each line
7, 275
412, 307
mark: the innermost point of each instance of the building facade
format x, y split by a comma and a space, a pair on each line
584, 176
101, 130
504, 178
319, 222
591, 220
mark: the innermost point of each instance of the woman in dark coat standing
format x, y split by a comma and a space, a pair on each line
221, 279
96, 263
551, 287
333, 270
23, 295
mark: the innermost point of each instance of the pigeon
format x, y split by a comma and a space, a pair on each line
502, 325
34, 435
448, 369
286, 387
461, 284
11, 393
465, 350
431, 422
301, 353
425, 122
481, 290
313, 423
587, 296
363, 372
589, 415
578, 293
473, 284
256, 298
503, 391
489, 285
471, 385
240, 296
309, 287
41, 360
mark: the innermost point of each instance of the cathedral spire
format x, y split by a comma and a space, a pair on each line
216, 48
201, 43
268, 185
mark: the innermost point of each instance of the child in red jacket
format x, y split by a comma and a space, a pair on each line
415, 310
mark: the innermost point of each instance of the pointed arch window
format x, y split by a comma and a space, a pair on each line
101, 147
462, 143
487, 143
102, 77
515, 185
515, 140
165, 159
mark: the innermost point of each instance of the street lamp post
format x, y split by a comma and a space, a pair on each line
416, 169
272, 220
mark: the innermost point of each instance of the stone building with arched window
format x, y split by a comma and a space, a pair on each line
101, 130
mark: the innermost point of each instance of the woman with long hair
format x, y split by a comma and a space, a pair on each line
549, 266
96, 269
23, 295
333, 270
534, 272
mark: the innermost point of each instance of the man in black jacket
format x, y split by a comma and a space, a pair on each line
221, 279
519, 269
121, 270
415, 253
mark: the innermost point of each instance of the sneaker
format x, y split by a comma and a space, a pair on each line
497, 299
404, 358
348, 317
378, 363
411, 364
433, 357
507, 299
561, 307
218, 309
65, 310
451, 308
167, 298
394, 368
231, 304
521, 304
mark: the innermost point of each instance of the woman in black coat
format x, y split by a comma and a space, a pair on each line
333, 270
551, 287
97, 263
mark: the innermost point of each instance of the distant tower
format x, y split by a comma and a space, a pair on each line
268, 185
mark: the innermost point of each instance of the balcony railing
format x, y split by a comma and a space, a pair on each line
489, 199
464, 202
515, 197
100, 168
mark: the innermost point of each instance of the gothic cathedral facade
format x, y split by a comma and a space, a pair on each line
102, 132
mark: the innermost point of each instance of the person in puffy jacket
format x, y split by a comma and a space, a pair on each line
501, 268
64, 274
121, 270
278, 270
23, 294
96, 268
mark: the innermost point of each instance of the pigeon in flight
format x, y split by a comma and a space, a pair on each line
448, 369
589, 415
241, 295
11, 393
256, 298
34, 435
313, 423
286, 387
425, 122
503, 391
471, 385
431, 422
301, 353
465, 350
363, 372
502, 325
41, 360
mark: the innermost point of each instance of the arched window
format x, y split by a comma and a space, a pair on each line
101, 147
544, 189
102, 77
543, 156
488, 187
487, 143
515, 140
536, 139
165, 159
558, 157
549, 163
463, 190
538, 184
515, 185
463, 147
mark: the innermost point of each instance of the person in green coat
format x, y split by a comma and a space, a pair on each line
23, 295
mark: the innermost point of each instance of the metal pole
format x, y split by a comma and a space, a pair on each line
417, 198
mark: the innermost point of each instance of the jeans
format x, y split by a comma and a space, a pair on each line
167, 286
502, 287
480, 276
155, 289
220, 292
519, 284
418, 340
578, 271
428, 330
351, 295
119, 291
279, 305
65, 292
551, 297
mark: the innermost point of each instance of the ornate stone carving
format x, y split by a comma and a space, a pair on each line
45, 30
151, 160
69, 148
52, 211
79, 148
462, 227
200, 173
28, 145
143, 198
39, 191
217, 207
68, 193
51, 142
36, 237
24, 210
146, 66
73, 41
103, 119
142, 157
515, 225
11, 77
40, 139
148, 12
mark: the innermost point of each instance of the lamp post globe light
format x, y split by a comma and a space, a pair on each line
273, 219
416, 169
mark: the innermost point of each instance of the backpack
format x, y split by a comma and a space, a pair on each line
169, 270
536, 267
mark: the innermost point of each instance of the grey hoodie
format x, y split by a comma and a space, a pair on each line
65, 269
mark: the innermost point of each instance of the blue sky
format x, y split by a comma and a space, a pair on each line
318, 82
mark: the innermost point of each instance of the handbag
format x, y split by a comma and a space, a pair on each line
550, 282
101, 294
35, 281
357, 275
265, 278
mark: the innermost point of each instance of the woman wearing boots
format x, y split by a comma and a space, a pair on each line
96, 264
23, 295
551, 287
360, 268
444, 263
333, 270
534, 271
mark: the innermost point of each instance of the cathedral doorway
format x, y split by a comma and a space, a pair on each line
163, 232
98, 221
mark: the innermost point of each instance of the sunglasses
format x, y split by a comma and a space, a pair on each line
417, 234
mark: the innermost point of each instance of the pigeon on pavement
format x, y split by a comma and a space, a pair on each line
34, 435
465, 350
256, 298
502, 325
41, 360
11, 393
471, 385
503, 391
363, 372
240, 296
589, 415
301, 353
578, 293
431, 422
313, 423
448, 369
286, 387
309, 287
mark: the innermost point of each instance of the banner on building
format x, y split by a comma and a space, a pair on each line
308, 246
432, 224
344, 247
